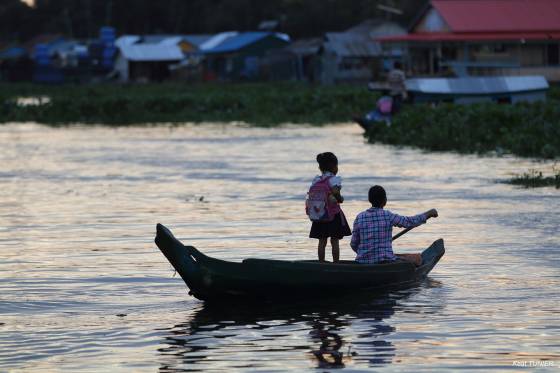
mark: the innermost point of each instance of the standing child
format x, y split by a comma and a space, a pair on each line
323, 207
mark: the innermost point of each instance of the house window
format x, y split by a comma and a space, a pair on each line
553, 54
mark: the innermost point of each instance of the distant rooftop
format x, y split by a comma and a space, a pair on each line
477, 85
480, 20
194, 39
233, 41
500, 15
151, 52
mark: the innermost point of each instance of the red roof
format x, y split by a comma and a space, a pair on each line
499, 20
473, 36
500, 15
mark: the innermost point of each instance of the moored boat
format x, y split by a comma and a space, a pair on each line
216, 280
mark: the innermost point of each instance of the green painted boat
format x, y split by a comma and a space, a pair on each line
215, 280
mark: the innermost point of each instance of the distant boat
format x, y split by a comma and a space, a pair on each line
463, 90
215, 280
470, 90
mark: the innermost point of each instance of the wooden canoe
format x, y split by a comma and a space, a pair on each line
216, 280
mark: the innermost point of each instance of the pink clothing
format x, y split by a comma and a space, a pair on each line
333, 181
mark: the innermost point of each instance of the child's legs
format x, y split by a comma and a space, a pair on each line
335, 249
321, 249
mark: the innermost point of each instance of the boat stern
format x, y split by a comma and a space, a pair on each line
431, 256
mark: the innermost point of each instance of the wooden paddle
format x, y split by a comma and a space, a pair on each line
401, 233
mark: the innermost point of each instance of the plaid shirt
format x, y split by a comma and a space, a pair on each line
372, 234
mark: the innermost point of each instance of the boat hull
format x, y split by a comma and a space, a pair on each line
215, 280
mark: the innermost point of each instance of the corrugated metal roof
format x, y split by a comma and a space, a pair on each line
154, 39
197, 39
172, 40
477, 85
126, 40
500, 15
13, 52
47, 39
240, 40
217, 39
348, 44
151, 52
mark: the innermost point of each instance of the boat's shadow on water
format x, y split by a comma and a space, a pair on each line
332, 334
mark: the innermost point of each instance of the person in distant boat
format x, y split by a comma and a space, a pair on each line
381, 113
323, 207
396, 82
372, 233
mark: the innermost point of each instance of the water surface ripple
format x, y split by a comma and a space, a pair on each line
83, 288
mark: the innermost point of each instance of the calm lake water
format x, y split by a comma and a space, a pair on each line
84, 289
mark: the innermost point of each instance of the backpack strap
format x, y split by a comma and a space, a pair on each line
326, 180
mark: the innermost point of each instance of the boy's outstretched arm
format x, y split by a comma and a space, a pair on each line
412, 221
431, 214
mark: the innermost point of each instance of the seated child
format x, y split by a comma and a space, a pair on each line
383, 110
372, 233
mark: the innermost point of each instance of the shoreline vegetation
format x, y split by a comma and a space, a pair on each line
536, 179
259, 104
524, 129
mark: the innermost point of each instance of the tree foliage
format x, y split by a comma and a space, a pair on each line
298, 18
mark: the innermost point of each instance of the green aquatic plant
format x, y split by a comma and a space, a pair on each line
262, 104
535, 178
524, 129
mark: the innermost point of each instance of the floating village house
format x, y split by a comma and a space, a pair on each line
355, 55
53, 58
238, 55
141, 62
40, 50
483, 37
15, 64
297, 61
189, 44
190, 68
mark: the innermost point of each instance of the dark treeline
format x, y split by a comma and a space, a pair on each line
298, 18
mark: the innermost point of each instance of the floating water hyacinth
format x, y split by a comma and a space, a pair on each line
535, 178
261, 104
524, 129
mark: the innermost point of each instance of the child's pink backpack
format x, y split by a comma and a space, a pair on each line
317, 205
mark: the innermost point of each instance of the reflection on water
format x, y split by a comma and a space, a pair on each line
322, 330
83, 288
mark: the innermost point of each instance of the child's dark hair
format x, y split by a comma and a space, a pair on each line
327, 161
377, 196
